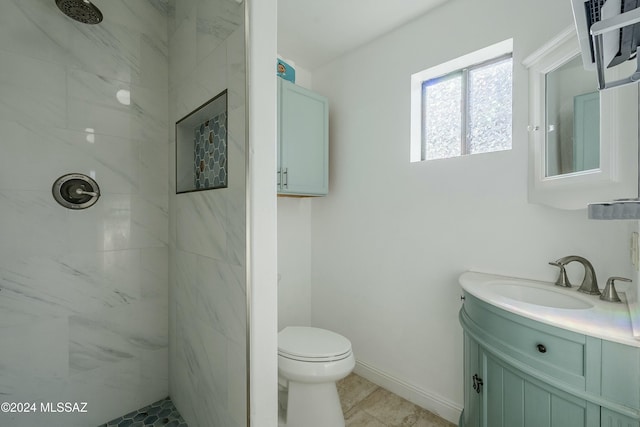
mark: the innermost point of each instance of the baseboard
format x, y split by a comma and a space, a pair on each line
423, 398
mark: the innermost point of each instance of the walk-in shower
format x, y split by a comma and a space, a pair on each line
142, 295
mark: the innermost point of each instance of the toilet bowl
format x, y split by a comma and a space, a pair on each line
310, 361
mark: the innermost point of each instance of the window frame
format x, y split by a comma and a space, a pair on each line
463, 73
477, 59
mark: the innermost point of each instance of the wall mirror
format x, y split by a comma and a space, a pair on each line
572, 120
583, 143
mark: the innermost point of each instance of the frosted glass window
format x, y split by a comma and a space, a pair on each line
443, 107
489, 120
468, 111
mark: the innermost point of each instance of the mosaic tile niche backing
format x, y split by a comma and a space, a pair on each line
210, 153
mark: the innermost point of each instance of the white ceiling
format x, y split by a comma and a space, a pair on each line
314, 32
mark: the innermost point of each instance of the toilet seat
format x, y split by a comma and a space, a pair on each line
307, 344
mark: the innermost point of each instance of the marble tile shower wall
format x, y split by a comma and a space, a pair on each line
83, 294
207, 326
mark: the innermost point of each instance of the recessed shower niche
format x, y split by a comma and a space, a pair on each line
201, 147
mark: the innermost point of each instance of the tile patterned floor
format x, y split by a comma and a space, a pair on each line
159, 414
366, 405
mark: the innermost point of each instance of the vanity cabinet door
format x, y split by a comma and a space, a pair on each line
613, 419
621, 374
472, 398
504, 395
513, 399
303, 141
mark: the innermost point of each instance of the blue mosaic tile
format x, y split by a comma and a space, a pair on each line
159, 414
210, 153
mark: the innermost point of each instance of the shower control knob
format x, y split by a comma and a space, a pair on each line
75, 191
82, 192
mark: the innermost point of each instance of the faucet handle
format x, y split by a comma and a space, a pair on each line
563, 279
609, 293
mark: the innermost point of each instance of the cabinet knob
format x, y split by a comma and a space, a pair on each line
541, 348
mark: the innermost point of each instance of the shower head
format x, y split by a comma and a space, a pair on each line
81, 10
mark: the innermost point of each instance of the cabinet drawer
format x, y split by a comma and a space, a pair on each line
552, 351
546, 350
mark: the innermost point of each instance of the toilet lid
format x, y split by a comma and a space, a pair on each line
306, 343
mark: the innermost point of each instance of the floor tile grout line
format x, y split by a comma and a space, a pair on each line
354, 384
363, 399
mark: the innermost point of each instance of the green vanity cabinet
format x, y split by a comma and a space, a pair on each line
521, 373
303, 141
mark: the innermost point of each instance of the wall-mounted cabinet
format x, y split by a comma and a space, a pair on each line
303, 141
583, 144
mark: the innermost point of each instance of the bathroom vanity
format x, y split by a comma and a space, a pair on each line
542, 356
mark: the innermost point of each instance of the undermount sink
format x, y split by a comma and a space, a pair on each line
540, 296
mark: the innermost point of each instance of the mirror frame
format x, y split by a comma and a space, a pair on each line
617, 176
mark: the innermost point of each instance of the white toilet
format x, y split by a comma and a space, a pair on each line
310, 361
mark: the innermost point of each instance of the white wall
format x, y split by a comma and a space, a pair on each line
391, 238
208, 317
294, 262
294, 247
83, 294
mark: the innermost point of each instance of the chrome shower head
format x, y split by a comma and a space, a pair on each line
81, 10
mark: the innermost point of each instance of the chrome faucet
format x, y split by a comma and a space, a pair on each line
590, 282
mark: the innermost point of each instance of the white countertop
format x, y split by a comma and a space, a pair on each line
605, 320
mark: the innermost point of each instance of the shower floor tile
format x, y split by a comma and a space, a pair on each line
159, 414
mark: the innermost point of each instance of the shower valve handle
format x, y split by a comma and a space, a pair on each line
81, 192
